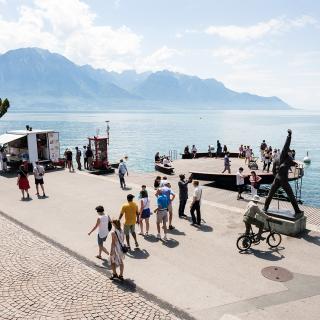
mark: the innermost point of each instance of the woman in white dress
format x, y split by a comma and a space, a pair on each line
116, 253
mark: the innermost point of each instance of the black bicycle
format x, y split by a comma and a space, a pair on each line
245, 241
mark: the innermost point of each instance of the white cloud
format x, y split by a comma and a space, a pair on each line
69, 28
233, 55
158, 60
273, 26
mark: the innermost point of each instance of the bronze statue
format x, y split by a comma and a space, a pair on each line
281, 171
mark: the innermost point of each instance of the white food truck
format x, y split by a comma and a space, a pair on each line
30, 145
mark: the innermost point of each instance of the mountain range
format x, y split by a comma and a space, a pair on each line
36, 79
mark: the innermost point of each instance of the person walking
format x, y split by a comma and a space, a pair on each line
196, 203
116, 253
78, 158
267, 159
3, 160
219, 149
240, 182
85, 159
162, 213
171, 196
248, 155
263, 146
69, 156
194, 151
23, 182
104, 225
183, 194
89, 156
39, 172
226, 161
131, 213
122, 170
254, 181
144, 211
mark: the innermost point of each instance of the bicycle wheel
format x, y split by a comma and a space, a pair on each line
243, 243
274, 239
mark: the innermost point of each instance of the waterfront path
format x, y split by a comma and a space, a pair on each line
199, 270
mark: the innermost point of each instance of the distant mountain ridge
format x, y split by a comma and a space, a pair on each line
36, 78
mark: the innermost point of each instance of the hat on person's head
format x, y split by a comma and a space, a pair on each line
99, 208
130, 197
256, 198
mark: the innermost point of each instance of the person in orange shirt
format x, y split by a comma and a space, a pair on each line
131, 213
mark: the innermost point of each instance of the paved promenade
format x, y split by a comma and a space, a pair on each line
199, 270
39, 281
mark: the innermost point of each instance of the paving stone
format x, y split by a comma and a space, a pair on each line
39, 281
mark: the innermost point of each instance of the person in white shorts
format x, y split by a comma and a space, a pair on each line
162, 213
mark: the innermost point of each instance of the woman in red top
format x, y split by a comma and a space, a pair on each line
254, 180
23, 182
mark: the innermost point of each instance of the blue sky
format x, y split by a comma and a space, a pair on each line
264, 47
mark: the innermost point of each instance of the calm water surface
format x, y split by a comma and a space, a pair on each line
141, 133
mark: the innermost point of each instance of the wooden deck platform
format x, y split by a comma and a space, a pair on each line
210, 169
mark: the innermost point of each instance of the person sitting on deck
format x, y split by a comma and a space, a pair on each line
166, 162
186, 151
157, 158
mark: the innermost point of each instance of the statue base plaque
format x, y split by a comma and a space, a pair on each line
285, 222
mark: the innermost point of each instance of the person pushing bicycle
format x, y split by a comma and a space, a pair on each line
250, 217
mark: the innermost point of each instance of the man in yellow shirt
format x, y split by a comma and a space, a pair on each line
130, 212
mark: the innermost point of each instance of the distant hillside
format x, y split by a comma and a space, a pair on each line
37, 78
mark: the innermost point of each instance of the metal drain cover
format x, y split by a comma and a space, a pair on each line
277, 274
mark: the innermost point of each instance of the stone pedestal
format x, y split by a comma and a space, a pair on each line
285, 222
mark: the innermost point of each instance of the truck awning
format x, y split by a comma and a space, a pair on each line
7, 137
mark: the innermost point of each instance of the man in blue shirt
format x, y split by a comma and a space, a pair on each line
122, 170
170, 195
162, 212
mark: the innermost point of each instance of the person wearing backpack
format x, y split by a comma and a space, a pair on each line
122, 171
105, 226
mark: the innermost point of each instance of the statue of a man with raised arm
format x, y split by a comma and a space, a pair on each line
281, 171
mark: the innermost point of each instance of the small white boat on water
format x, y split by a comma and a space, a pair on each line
307, 159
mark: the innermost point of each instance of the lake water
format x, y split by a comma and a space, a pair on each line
139, 134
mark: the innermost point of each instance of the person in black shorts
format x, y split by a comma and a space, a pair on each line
39, 172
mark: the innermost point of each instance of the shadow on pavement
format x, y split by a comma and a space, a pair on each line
204, 228
138, 254
170, 243
310, 236
176, 232
151, 238
270, 255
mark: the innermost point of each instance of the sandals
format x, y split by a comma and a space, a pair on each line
121, 278
99, 257
114, 276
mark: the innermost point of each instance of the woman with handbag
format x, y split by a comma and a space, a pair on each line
254, 181
117, 251
23, 182
104, 225
144, 211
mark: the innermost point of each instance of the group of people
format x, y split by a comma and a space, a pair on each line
219, 151
87, 155
165, 160
23, 180
254, 180
192, 153
139, 213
